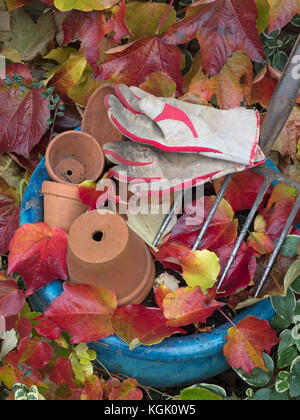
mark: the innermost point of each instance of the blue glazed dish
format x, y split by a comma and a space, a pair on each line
177, 361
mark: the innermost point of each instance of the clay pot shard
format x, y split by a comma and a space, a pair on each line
104, 252
73, 157
61, 204
95, 119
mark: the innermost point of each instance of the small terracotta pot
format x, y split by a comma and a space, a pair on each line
95, 119
73, 157
61, 204
104, 252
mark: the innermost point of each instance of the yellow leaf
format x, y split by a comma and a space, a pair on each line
200, 268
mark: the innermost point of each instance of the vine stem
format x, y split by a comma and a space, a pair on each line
226, 317
164, 17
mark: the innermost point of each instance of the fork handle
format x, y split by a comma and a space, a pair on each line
282, 102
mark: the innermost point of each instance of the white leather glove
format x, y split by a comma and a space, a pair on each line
156, 171
172, 125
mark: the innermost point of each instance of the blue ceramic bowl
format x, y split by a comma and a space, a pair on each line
177, 361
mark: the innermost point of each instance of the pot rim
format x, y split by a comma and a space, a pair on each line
197, 346
60, 190
90, 104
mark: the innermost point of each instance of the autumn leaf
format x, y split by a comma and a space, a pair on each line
160, 294
263, 9
10, 375
88, 194
12, 300
222, 229
84, 312
198, 83
9, 216
187, 305
139, 325
143, 18
84, 5
38, 254
287, 142
143, 57
47, 329
127, 390
93, 389
23, 114
209, 22
246, 343
85, 87
264, 85
91, 27
281, 12
62, 373
200, 268
33, 352
67, 75
242, 190
233, 84
30, 39
241, 271
169, 254
261, 242
159, 84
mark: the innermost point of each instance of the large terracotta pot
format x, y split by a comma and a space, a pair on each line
73, 157
95, 119
61, 204
104, 252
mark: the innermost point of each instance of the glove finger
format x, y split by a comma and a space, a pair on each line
138, 128
137, 174
128, 153
127, 98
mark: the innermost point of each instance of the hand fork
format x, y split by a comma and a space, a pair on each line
281, 106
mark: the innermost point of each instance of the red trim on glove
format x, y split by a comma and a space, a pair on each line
170, 112
120, 159
158, 145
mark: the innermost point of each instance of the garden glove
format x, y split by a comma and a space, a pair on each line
172, 125
157, 171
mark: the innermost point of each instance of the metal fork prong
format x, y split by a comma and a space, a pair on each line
278, 246
251, 215
216, 204
167, 221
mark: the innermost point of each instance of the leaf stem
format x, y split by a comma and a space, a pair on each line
164, 17
226, 317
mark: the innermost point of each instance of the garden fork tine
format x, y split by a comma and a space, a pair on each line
279, 110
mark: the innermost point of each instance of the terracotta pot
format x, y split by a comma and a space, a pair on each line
95, 119
61, 204
104, 252
73, 157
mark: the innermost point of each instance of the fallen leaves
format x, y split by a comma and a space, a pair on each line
9, 215
281, 12
138, 325
84, 312
24, 114
219, 36
186, 306
91, 28
143, 57
222, 229
30, 39
38, 254
246, 343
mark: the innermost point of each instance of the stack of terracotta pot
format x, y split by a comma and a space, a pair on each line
102, 250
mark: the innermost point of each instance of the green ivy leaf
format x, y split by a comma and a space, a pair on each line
284, 306
295, 378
